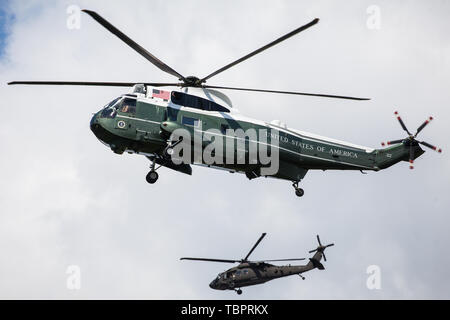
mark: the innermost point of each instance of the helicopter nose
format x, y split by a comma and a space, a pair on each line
212, 285
94, 123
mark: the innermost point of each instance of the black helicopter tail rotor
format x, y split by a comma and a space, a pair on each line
411, 139
321, 248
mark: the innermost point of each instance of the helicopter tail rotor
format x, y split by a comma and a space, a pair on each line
321, 251
411, 139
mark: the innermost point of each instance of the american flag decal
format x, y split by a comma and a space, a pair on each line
165, 95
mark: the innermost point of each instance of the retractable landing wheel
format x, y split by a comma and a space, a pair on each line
299, 192
152, 177
239, 291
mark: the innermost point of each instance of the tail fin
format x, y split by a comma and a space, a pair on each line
314, 263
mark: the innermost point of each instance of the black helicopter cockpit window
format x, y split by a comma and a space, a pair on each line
109, 111
128, 105
187, 100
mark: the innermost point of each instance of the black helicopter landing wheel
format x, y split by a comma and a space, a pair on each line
152, 177
239, 291
299, 192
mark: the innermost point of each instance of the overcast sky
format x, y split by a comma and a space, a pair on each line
66, 199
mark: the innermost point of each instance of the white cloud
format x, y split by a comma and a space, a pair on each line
66, 199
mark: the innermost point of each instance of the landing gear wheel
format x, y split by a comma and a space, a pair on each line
152, 177
239, 291
299, 192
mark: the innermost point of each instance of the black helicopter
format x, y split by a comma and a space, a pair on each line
249, 273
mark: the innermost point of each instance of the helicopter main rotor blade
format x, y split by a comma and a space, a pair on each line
256, 244
287, 92
161, 65
92, 83
212, 260
294, 259
267, 46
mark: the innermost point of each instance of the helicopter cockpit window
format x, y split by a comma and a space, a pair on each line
187, 100
109, 111
128, 106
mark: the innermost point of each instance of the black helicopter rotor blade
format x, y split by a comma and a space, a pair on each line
426, 144
211, 260
267, 46
402, 123
293, 259
394, 141
256, 244
321, 247
287, 92
423, 125
143, 52
318, 240
93, 83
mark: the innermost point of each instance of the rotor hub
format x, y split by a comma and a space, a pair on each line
192, 81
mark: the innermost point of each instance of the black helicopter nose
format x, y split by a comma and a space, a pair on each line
94, 123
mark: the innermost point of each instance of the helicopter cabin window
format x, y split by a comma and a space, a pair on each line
191, 122
187, 100
238, 273
128, 106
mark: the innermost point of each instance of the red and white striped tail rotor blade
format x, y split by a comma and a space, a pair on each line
426, 144
423, 125
401, 122
411, 157
394, 141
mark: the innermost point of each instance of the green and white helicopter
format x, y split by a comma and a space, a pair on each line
144, 121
